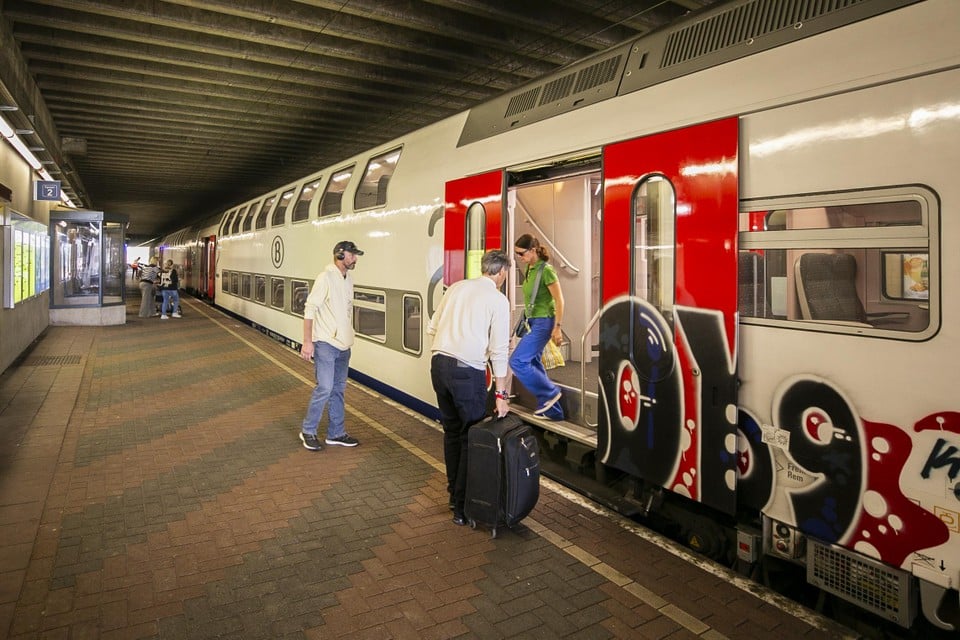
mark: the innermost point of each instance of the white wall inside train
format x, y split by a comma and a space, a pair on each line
20, 326
561, 213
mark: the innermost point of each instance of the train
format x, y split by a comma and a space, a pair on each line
750, 213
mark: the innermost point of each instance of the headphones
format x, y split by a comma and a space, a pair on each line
339, 256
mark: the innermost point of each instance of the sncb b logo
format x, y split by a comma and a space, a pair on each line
276, 251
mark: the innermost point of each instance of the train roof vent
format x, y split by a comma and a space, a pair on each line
738, 30
706, 39
592, 80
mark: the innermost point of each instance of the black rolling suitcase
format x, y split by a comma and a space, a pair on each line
503, 472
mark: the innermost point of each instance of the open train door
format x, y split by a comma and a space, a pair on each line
472, 223
668, 330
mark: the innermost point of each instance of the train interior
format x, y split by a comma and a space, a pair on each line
561, 207
831, 281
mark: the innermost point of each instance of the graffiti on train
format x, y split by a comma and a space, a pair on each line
835, 475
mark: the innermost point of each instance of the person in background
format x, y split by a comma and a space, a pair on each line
135, 268
148, 277
327, 338
170, 289
470, 326
544, 314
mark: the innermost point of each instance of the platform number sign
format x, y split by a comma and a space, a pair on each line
48, 190
276, 251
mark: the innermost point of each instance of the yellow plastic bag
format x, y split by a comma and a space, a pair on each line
552, 357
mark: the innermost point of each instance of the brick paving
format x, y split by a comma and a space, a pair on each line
152, 486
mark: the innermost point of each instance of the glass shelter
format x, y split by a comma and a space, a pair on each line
87, 267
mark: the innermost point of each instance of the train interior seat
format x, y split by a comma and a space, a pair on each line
827, 287
330, 203
751, 291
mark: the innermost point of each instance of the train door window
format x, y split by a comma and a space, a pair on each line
863, 262
264, 210
260, 289
372, 190
412, 322
301, 210
234, 283
654, 204
331, 203
246, 285
476, 240
300, 290
280, 213
370, 314
277, 292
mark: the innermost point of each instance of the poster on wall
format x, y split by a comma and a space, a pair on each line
916, 279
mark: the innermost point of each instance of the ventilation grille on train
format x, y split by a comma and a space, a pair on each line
570, 84
872, 585
743, 23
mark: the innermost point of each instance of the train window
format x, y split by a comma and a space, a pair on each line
248, 220
300, 290
246, 284
280, 213
863, 263
260, 289
654, 205
412, 320
476, 240
372, 190
301, 210
370, 314
235, 229
225, 282
264, 210
235, 283
277, 289
227, 221
332, 201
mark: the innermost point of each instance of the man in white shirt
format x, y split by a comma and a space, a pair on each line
470, 326
327, 338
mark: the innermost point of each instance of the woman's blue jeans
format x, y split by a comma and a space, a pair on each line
331, 366
526, 364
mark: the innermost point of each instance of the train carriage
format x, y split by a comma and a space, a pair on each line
760, 319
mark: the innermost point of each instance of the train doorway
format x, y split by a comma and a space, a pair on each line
560, 204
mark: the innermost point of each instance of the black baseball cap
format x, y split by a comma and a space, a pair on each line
347, 245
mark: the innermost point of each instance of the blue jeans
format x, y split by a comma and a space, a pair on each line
331, 367
462, 400
171, 299
526, 364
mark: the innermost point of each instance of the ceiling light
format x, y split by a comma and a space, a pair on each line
23, 132
9, 107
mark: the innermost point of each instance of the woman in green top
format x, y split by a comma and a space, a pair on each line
544, 311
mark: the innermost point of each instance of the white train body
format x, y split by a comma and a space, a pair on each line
840, 122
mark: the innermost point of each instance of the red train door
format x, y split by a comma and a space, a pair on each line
669, 323
210, 258
472, 223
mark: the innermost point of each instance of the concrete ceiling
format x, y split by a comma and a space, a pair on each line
171, 110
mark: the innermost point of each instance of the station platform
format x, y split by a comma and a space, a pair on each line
153, 485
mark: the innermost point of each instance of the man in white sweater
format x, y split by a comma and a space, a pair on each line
327, 338
470, 326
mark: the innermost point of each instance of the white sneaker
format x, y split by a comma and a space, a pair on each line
164, 317
177, 315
